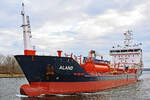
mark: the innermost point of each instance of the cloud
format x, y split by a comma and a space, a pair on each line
10, 42
74, 25
90, 30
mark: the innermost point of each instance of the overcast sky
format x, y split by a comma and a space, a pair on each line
75, 25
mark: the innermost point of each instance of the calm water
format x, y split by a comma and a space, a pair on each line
9, 90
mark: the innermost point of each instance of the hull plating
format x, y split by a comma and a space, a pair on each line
38, 88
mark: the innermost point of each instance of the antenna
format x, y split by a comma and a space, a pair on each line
22, 12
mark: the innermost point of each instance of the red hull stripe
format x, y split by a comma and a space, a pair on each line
37, 88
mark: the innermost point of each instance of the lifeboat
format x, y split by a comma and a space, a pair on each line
102, 68
93, 67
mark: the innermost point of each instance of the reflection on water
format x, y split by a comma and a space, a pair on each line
73, 97
9, 90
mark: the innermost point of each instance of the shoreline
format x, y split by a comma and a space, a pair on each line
12, 75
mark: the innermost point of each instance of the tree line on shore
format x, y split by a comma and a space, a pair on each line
8, 65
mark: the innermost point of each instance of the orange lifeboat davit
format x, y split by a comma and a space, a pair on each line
94, 65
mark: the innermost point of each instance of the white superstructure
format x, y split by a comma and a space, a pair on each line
130, 54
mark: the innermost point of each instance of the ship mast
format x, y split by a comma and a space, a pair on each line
128, 38
26, 33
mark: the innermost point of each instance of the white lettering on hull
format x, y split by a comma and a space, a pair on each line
66, 67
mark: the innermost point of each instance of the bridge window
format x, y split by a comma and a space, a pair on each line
130, 50
137, 50
123, 50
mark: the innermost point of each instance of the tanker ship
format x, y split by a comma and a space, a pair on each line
71, 74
